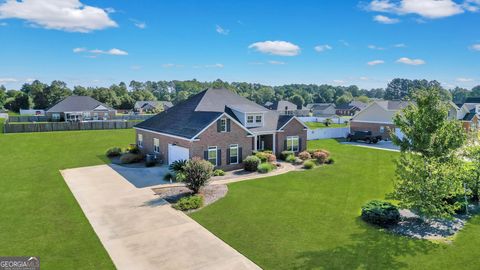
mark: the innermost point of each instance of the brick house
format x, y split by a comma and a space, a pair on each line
80, 108
378, 117
221, 127
151, 106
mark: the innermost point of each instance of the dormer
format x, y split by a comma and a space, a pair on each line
254, 119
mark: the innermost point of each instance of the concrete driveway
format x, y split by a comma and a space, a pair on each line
141, 176
140, 231
381, 145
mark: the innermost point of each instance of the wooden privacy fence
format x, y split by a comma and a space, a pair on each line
66, 126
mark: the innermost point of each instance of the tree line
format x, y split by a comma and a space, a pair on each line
40, 95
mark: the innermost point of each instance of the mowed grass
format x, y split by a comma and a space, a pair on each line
39, 215
315, 125
310, 219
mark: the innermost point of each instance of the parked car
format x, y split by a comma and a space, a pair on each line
365, 136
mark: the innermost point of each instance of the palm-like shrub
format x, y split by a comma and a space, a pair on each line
197, 173
177, 165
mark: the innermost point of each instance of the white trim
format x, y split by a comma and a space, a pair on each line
291, 120
298, 145
373, 122
215, 121
155, 146
216, 154
139, 136
164, 134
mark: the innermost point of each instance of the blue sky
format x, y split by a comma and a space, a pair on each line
273, 42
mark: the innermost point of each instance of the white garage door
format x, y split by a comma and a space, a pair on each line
399, 133
177, 153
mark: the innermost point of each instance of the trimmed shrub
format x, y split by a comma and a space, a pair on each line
320, 156
304, 155
265, 167
133, 149
326, 152
284, 155
218, 172
197, 173
380, 213
330, 161
251, 163
129, 158
291, 159
177, 165
271, 158
188, 203
262, 156
113, 152
309, 164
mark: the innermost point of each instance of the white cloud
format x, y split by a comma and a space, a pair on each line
385, 19
67, 15
215, 66
322, 48
409, 61
375, 62
141, 25
170, 65
464, 80
278, 47
95, 52
475, 47
110, 10
221, 30
338, 81
7, 80
373, 47
29, 80
363, 78
432, 9
400, 45
273, 62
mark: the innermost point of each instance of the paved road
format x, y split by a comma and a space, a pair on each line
139, 231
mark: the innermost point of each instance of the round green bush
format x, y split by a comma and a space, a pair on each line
285, 154
291, 159
128, 158
218, 172
251, 163
187, 203
380, 213
265, 168
309, 164
113, 152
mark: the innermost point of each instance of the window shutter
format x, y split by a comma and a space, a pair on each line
228, 125
219, 157
218, 126
285, 145
228, 156
205, 155
240, 158
299, 144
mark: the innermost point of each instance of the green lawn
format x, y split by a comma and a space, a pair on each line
315, 125
2, 121
309, 219
40, 216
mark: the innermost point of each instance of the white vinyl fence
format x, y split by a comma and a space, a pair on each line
335, 119
327, 133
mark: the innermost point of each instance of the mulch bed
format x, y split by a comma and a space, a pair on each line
210, 193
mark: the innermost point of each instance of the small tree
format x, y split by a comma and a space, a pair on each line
472, 155
197, 173
328, 122
428, 171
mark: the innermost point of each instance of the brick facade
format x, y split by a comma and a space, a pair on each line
293, 128
375, 128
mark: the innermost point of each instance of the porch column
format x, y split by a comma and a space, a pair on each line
255, 143
274, 144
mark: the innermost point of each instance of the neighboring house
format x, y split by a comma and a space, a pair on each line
152, 106
468, 113
378, 117
321, 109
220, 126
350, 109
282, 106
359, 104
80, 108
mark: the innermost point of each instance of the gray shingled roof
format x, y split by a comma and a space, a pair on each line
77, 104
319, 106
393, 105
469, 116
281, 105
153, 103
188, 118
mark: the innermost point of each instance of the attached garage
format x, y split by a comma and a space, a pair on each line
176, 152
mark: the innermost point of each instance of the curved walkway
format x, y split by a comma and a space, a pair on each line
141, 231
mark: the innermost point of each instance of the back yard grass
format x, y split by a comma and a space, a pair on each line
310, 219
40, 216
315, 125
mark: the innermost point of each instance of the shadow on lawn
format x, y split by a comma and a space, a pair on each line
372, 249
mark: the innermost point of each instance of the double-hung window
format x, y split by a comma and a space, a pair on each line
156, 145
293, 143
250, 119
258, 119
212, 155
233, 155
223, 125
140, 140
